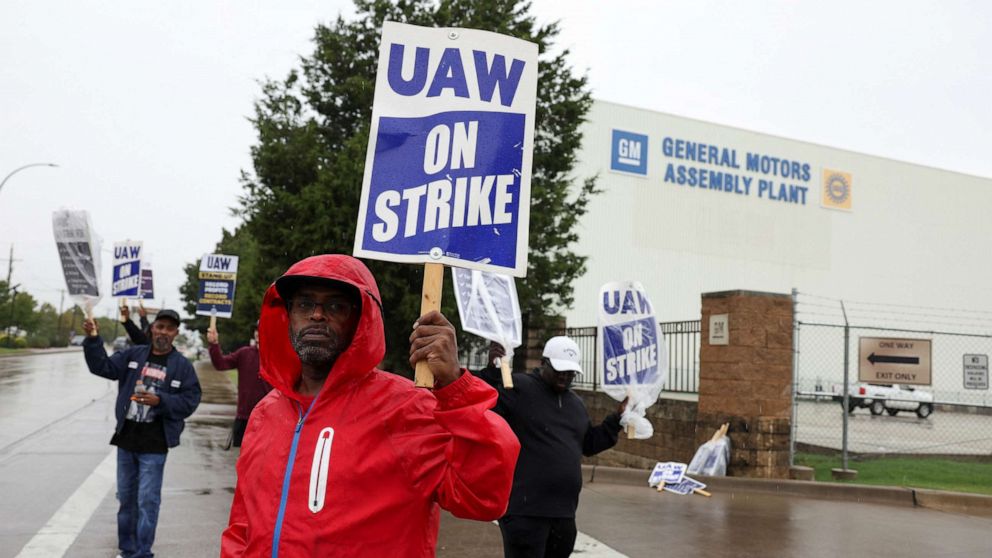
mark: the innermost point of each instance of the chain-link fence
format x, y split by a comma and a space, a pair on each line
951, 416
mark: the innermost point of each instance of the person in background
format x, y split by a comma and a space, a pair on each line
251, 387
137, 336
157, 389
555, 431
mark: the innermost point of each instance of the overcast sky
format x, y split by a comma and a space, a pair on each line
144, 105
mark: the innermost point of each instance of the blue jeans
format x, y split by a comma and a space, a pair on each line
139, 491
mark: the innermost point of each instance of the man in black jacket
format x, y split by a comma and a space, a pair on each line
555, 431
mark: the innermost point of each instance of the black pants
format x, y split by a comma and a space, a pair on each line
238, 431
537, 537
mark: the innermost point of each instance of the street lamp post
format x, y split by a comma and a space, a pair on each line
18, 169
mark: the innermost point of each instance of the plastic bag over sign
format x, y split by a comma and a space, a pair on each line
711, 458
633, 357
79, 252
488, 306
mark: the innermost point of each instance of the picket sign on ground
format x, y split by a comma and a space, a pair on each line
633, 355
79, 252
687, 486
448, 166
488, 306
669, 472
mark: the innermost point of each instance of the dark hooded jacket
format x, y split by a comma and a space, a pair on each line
361, 469
180, 393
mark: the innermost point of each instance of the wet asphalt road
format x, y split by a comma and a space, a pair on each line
56, 420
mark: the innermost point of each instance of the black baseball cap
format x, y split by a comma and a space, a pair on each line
168, 315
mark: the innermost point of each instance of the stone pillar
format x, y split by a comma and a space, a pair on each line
748, 380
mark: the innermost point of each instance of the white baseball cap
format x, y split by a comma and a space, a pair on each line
563, 354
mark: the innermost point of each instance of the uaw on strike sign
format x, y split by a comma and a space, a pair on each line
127, 269
633, 356
447, 174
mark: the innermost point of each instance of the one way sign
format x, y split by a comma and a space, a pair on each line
888, 360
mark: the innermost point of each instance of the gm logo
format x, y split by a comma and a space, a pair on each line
629, 153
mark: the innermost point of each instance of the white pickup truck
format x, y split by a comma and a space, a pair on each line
884, 398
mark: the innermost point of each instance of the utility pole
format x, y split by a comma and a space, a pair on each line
11, 330
10, 265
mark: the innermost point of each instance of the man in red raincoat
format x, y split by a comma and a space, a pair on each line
343, 459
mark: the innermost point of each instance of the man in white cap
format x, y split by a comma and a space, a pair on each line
555, 431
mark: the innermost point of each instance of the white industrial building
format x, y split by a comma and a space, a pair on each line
689, 207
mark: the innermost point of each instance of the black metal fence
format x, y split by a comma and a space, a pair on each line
681, 339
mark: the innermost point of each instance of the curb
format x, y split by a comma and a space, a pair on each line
954, 502
36, 352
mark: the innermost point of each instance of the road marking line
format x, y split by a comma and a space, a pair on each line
589, 547
55, 538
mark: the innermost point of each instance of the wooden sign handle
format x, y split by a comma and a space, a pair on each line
504, 367
213, 322
433, 280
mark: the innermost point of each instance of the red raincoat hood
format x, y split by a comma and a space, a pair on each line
279, 363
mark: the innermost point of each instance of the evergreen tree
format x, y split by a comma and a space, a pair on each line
302, 198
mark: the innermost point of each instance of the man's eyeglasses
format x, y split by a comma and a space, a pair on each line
335, 309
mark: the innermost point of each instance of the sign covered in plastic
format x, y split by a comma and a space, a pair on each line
633, 356
448, 167
127, 269
79, 252
218, 278
488, 306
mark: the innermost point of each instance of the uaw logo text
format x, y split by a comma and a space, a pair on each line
836, 190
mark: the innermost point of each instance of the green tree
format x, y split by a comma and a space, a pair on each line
17, 309
303, 196
46, 321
